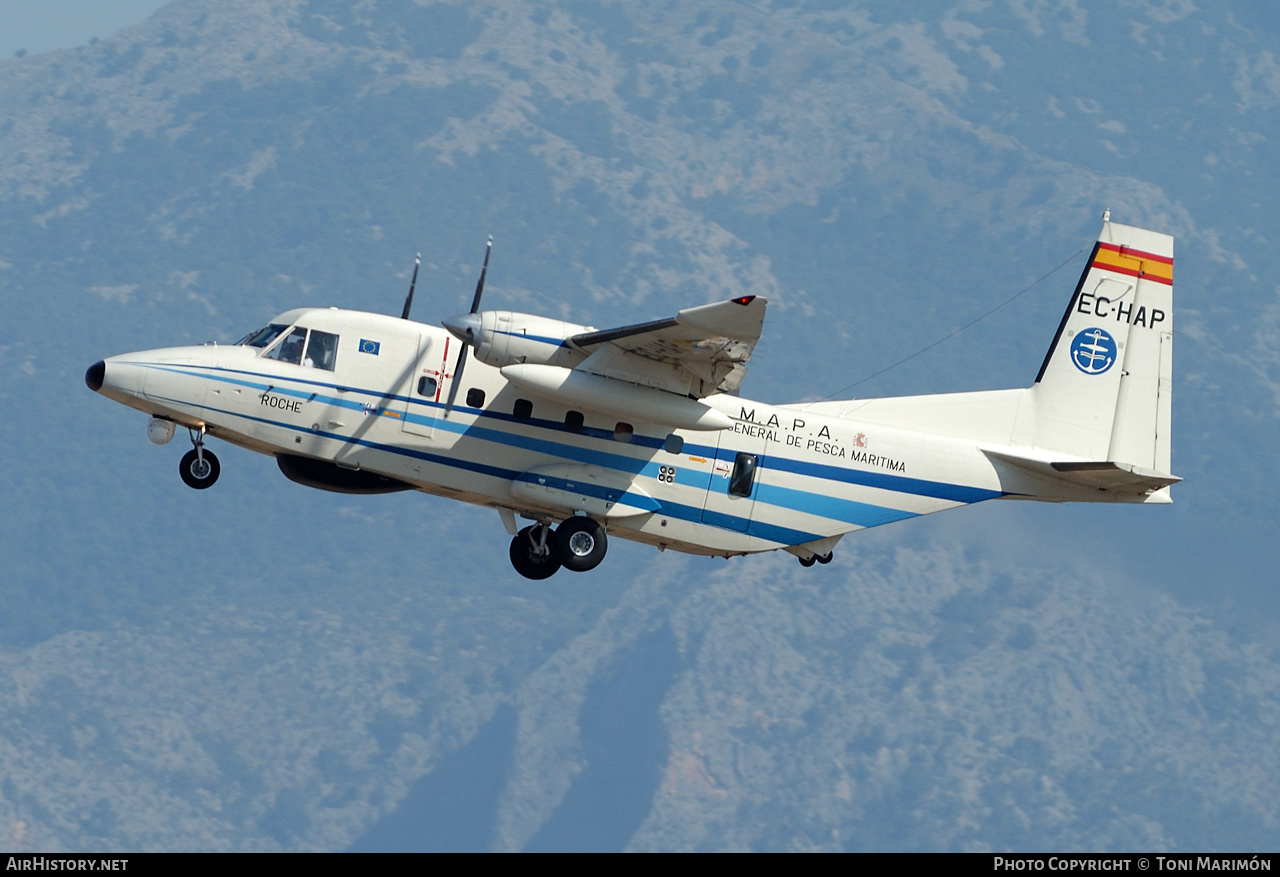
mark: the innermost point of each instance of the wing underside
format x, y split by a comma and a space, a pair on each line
698, 352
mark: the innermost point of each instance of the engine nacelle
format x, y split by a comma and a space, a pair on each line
501, 338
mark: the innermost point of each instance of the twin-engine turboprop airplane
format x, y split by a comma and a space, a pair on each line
639, 431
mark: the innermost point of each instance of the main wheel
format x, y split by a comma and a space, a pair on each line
580, 543
825, 558
197, 473
527, 560
809, 561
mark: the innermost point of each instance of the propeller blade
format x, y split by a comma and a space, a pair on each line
475, 302
408, 302
456, 380
461, 330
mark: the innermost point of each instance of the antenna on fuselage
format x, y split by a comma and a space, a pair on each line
408, 302
467, 330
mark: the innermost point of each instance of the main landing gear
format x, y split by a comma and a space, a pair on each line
815, 558
199, 468
533, 552
578, 544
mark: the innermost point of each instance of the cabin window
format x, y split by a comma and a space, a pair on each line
623, 432
322, 350
573, 421
427, 386
744, 474
475, 398
523, 409
263, 337
674, 444
290, 349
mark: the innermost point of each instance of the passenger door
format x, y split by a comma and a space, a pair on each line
731, 497
422, 392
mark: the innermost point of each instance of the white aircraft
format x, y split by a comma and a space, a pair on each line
639, 431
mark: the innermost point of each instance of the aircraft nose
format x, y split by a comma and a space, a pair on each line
95, 375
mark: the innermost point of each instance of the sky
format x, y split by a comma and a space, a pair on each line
45, 25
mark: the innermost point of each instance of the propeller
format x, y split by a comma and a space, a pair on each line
408, 302
467, 328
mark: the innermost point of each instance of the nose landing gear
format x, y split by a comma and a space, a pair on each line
199, 468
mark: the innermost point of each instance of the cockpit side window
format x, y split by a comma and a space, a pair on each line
290, 349
262, 337
322, 350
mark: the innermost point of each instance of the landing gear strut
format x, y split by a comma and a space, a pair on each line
199, 468
533, 554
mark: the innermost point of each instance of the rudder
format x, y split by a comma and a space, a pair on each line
1104, 391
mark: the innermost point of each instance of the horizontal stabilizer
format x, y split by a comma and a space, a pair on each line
1116, 476
1120, 479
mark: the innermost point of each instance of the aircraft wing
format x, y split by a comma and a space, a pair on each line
698, 352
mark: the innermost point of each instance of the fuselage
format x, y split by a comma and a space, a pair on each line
781, 477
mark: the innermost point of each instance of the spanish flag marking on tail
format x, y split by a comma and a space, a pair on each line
1134, 263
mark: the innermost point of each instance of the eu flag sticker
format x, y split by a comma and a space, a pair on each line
367, 346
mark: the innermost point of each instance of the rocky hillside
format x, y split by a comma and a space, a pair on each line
267, 667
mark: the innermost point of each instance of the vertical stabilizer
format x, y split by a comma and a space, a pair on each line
1104, 390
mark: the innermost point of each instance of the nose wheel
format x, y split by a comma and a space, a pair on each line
199, 468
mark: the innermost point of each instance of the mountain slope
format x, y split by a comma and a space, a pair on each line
266, 667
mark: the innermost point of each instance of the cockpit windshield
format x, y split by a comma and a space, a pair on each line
262, 337
290, 349
321, 349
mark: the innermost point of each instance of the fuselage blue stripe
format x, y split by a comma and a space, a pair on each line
850, 511
834, 508
896, 483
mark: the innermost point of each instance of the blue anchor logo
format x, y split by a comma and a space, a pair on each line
1093, 351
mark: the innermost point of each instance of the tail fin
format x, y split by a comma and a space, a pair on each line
1104, 391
